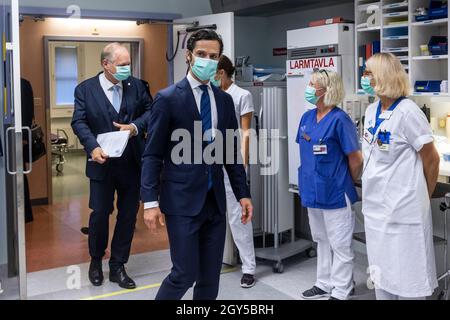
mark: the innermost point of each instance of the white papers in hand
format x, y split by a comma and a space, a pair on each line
113, 143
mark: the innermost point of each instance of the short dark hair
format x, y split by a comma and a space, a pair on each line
226, 65
204, 34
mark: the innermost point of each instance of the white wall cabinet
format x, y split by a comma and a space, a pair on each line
393, 23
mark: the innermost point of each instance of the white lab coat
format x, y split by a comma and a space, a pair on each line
396, 205
242, 234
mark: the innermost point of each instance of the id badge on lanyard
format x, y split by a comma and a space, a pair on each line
375, 134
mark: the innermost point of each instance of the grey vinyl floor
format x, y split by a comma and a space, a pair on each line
148, 270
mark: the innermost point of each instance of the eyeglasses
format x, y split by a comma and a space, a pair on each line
367, 73
324, 71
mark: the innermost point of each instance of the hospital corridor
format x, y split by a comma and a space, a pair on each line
260, 154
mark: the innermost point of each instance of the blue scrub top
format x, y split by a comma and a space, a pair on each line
325, 179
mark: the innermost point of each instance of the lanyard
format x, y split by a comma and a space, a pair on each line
379, 121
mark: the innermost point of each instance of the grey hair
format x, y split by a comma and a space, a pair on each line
333, 84
110, 50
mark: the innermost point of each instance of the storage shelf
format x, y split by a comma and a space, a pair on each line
392, 26
396, 14
403, 4
363, 7
396, 38
438, 57
430, 94
394, 50
431, 22
401, 35
369, 29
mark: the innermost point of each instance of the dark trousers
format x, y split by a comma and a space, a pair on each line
125, 179
27, 200
196, 249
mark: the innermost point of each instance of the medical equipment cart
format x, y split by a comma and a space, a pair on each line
274, 214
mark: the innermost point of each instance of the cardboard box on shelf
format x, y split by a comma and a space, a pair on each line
329, 21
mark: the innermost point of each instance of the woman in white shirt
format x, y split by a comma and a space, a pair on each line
242, 234
401, 167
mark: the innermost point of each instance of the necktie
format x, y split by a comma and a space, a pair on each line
205, 112
116, 98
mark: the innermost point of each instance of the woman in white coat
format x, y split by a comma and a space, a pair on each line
242, 234
401, 167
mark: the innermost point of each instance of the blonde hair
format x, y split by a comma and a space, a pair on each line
333, 84
391, 79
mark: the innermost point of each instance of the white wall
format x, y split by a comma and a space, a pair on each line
187, 8
250, 39
300, 19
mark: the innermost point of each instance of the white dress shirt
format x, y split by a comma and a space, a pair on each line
197, 91
195, 85
107, 87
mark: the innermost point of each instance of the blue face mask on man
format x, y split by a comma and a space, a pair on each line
122, 73
204, 69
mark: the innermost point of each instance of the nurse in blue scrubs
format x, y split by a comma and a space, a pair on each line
331, 161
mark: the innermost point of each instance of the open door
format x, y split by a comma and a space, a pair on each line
225, 27
12, 217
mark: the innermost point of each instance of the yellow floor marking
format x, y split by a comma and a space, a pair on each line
150, 286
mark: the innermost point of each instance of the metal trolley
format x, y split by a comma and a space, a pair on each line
60, 146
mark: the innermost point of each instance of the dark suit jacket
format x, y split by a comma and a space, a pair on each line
182, 189
27, 114
91, 118
27, 103
147, 86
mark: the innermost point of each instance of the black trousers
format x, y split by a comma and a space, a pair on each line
196, 250
123, 178
28, 207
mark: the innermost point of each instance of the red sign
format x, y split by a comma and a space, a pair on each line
279, 52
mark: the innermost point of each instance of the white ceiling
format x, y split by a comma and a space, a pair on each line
186, 8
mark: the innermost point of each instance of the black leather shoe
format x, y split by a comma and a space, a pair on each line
120, 277
96, 273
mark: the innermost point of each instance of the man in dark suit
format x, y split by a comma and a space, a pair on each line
191, 193
27, 121
113, 100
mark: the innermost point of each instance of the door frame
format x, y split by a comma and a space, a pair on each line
14, 180
48, 119
46, 12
